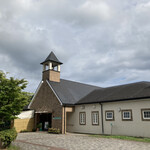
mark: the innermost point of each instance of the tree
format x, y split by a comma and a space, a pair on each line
29, 96
12, 98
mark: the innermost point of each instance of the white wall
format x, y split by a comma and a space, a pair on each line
26, 114
73, 124
137, 127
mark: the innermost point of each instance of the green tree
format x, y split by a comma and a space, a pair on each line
12, 98
29, 96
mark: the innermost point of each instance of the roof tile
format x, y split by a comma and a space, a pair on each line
70, 92
118, 93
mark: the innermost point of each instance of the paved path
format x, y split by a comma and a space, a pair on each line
45, 141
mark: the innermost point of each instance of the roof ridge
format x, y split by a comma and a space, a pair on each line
126, 84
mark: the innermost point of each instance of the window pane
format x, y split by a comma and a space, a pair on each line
82, 118
95, 118
126, 114
109, 115
147, 114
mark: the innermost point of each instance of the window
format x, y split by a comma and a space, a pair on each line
109, 115
126, 115
95, 118
145, 114
82, 118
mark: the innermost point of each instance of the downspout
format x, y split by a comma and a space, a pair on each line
64, 120
102, 118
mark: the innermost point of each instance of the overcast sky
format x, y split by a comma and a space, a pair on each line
100, 42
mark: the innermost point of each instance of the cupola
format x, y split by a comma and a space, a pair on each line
51, 68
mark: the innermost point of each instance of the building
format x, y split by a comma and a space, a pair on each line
76, 107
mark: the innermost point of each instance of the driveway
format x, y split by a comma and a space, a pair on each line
45, 141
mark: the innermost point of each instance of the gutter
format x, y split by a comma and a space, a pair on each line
102, 117
119, 100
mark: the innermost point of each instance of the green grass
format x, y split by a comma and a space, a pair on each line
130, 138
13, 147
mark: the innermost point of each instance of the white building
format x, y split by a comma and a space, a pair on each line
82, 108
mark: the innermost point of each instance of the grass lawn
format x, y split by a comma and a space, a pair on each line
130, 138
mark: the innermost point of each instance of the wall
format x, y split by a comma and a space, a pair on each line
45, 100
51, 75
26, 114
137, 127
24, 124
54, 76
73, 120
25, 121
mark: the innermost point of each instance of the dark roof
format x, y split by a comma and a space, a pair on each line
132, 91
51, 57
70, 92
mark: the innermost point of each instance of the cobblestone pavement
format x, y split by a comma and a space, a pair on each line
45, 141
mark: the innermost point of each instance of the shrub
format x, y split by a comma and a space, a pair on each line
39, 125
5, 125
54, 130
7, 136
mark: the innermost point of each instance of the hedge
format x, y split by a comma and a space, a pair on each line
7, 136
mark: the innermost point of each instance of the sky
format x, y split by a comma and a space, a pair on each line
100, 42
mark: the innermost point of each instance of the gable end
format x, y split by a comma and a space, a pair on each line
54, 93
35, 94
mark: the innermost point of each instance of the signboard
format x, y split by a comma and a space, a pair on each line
56, 118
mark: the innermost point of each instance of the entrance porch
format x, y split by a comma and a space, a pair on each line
43, 118
53, 119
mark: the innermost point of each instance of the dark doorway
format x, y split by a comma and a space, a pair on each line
46, 121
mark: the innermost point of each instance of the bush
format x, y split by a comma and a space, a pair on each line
7, 136
39, 125
54, 130
5, 125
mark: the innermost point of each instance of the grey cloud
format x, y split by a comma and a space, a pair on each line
100, 42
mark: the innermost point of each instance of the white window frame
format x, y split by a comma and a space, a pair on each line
109, 111
125, 118
142, 112
82, 118
95, 117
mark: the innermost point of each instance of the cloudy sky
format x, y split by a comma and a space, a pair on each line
100, 42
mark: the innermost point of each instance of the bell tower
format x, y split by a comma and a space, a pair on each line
51, 68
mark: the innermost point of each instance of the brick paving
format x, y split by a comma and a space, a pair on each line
45, 141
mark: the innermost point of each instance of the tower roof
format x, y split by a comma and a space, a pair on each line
51, 57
